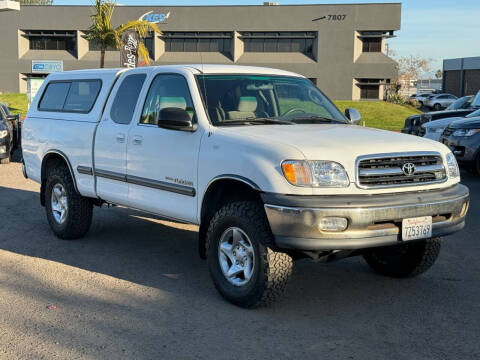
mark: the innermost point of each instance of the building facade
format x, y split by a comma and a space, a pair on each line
461, 76
341, 48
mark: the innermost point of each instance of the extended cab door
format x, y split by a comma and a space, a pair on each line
162, 163
110, 148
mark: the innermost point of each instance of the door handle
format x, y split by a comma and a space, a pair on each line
120, 138
137, 140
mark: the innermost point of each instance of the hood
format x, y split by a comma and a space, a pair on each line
469, 123
434, 115
442, 123
336, 142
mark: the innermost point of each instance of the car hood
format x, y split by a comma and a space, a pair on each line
336, 142
466, 123
441, 123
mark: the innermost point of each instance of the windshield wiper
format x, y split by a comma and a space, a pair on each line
257, 120
313, 118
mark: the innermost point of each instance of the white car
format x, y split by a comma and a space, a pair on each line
259, 158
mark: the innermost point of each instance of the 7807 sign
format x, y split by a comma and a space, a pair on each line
332, 17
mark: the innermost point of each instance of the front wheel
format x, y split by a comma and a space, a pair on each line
69, 214
405, 260
437, 107
244, 269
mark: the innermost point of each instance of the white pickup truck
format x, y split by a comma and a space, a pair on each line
259, 158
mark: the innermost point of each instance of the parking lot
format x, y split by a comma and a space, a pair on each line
135, 288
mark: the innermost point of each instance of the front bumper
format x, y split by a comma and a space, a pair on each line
373, 220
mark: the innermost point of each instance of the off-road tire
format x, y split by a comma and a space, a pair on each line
405, 260
272, 269
80, 209
6, 160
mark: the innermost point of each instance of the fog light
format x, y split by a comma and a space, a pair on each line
3, 149
333, 224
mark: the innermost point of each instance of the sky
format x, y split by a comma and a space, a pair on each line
435, 29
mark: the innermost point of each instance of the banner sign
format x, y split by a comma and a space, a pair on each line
46, 66
129, 49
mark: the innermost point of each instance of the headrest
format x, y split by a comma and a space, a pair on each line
247, 104
170, 101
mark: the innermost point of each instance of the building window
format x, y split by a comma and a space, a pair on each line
149, 42
369, 88
52, 40
372, 44
279, 42
198, 41
94, 46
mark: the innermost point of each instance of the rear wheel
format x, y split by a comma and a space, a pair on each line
437, 107
244, 269
69, 214
405, 260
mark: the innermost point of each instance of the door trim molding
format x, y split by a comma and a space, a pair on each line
136, 180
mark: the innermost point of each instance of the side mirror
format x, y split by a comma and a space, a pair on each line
175, 119
353, 115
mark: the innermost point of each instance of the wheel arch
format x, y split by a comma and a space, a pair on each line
218, 192
51, 157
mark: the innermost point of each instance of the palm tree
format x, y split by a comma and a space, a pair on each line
103, 33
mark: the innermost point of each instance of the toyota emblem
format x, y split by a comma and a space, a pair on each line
409, 169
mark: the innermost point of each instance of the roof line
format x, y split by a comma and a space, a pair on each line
216, 6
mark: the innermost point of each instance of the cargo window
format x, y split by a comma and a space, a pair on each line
70, 96
126, 99
54, 96
82, 95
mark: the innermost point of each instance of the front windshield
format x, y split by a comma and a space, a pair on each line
476, 100
253, 99
473, 114
460, 103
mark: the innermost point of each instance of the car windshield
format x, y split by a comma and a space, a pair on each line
460, 103
476, 100
259, 99
473, 114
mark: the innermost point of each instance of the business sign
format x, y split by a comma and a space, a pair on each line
155, 18
46, 66
129, 49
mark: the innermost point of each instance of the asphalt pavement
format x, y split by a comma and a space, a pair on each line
135, 288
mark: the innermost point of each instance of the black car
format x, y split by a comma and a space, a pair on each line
463, 138
8, 133
460, 108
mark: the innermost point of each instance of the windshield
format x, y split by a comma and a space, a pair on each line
460, 103
256, 99
476, 100
473, 114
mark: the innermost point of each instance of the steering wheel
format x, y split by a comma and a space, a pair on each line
292, 110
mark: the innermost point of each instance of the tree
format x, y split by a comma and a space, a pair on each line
439, 74
412, 67
103, 33
36, 2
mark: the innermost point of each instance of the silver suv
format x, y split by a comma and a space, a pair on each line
440, 101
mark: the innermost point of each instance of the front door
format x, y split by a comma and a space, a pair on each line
162, 163
110, 151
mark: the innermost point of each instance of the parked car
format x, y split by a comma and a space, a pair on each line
7, 134
421, 98
259, 158
463, 138
434, 129
460, 108
440, 101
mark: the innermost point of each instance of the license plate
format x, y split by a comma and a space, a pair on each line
417, 228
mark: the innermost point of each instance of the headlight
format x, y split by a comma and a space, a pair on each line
465, 132
3, 133
452, 166
319, 173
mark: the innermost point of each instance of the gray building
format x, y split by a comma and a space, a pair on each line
461, 76
339, 47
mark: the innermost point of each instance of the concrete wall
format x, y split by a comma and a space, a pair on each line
337, 52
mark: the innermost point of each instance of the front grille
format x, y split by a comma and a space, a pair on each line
387, 171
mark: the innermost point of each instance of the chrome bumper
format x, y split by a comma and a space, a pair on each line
373, 220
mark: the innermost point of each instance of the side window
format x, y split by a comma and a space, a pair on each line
166, 91
54, 96
126, 98
82, 95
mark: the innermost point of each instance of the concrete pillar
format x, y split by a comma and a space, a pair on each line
23, 44
237, 46
158, 47
355, 90
357, 46
82, 45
